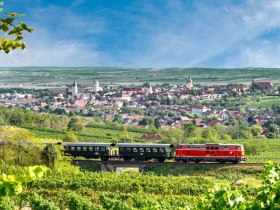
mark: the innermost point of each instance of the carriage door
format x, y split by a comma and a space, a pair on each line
113, 151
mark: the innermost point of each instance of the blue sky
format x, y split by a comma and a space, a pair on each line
149, 33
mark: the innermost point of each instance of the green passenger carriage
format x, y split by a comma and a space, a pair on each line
88, 150
160, 152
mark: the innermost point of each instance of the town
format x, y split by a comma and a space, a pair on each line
163, 106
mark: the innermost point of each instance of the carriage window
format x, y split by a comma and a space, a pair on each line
211, 147
216, 148
78, 148
72, 148
66, 148
103, 149
141, 149
154, 149
90, 149
121, 149
134, 149
207, 148
161, 150
84, 148
148, 149
96, 149
225, 148
128, 149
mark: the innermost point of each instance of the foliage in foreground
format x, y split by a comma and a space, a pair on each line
14, 30
268, 196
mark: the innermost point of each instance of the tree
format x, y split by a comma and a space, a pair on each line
123, 132
70, 136
210, 134
256, 130
157, 123
75, 124
146, 121
17, 148
190, 130
14, 29
50, 155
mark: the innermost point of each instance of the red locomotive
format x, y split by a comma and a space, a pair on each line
211, 152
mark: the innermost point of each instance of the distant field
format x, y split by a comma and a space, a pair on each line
40, 77
263, 103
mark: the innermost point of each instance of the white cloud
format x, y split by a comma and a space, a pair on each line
57, 40
186, 38
44, 50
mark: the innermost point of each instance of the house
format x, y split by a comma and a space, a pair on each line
265, 84
152, 137
199, 109
212, 123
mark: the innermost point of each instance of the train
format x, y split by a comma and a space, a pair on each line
209, 152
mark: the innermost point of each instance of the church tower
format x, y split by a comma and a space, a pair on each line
96, 86
149, 89
74, 89
189, 83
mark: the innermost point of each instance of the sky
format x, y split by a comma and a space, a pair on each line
148, 33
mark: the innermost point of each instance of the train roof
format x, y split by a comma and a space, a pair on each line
212, 144
88, 144
143, 145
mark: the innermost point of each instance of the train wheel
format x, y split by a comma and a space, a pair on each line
127, 159
104, 158
235, 161
161, 160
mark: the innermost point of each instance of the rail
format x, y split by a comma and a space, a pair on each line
149, 164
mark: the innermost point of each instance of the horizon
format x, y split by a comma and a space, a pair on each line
148, 34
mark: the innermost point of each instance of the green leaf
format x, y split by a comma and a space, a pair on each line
4, 27
8, 20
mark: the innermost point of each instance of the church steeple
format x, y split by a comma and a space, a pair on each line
74, 88
189, 83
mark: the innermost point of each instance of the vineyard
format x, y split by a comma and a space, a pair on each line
68, 187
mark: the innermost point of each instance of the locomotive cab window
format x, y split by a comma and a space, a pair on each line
148, 149
84, 148
238, 148
90, 149
141, 149
72, 148
134, 149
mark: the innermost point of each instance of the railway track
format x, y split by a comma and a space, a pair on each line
150, 164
